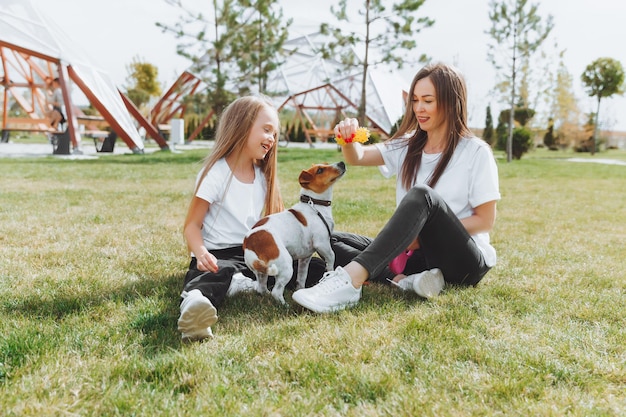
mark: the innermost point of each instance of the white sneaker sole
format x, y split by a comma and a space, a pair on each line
404, 284
311, 305
195, 321
197, 337
429, 284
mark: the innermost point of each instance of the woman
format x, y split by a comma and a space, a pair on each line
446, 193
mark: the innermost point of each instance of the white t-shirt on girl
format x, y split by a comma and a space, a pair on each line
469, 180
235, 206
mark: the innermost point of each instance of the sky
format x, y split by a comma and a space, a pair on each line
114, 32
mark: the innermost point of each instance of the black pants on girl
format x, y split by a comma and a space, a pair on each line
214, 285
444, 242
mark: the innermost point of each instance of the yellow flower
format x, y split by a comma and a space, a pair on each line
361, 135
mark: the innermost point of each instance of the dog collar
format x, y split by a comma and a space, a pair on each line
308, 199
312, 202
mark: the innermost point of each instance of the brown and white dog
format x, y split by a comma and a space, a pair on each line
297, 233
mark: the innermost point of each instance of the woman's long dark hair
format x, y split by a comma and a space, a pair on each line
451, 96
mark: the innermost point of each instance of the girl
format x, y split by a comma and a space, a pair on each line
446, 193
236, 185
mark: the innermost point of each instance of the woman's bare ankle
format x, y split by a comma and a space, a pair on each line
357, 272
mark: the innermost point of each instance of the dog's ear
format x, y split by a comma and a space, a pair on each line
305, 177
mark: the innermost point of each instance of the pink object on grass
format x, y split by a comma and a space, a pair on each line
399, 262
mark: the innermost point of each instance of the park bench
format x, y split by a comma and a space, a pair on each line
103, 140
23, 124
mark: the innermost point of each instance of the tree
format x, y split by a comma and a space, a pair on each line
564, 110
604, 77
264, 25
521, 140
501, 131
523, 115
143, 83
488, 132
391, 39
234, 49
517, 32
548, 139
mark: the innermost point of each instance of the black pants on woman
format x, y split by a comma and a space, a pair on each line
444, 242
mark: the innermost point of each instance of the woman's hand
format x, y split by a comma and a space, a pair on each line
357, 153
346, 128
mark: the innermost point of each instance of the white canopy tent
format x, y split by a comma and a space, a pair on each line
317, 87
312, 87
33, 51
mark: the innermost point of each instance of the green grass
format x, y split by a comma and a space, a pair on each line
92, 262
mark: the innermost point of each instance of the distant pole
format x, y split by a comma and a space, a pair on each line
509, 139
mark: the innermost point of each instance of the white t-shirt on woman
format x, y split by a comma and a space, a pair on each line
469, 180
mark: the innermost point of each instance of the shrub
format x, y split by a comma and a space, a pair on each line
522, 142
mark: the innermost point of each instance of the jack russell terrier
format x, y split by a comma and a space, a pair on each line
297, 233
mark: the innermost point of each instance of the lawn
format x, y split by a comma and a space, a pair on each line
93, 260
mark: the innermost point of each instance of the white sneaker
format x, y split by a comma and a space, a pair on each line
427, 284
405, 284
240, 283
334, 292
197, 314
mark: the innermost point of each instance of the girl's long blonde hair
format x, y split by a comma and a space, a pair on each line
231, 136
451, 96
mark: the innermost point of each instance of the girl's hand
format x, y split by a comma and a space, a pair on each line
206, 262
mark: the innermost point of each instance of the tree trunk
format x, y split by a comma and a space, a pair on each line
509, 139
362, 110
595, 128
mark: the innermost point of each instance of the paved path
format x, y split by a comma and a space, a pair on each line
34, 150
599, 161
